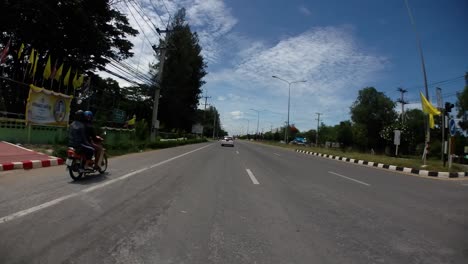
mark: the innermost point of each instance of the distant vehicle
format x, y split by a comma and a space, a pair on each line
299, 141
227, 141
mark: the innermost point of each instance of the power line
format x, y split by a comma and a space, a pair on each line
155, 11
167, 10
120, 76
140, 10
126, 74
129, 70
136, 21
132, 69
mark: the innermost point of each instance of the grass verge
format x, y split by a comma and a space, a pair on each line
410, 162
118, 150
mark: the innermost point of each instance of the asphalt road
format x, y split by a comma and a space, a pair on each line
248, 204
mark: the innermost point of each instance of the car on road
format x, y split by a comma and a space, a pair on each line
227, 141
299, 141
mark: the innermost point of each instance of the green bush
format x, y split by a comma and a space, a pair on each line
60, 151
142, 130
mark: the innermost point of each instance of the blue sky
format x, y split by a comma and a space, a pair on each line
339, 47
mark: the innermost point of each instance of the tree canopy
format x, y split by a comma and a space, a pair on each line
181, 83
462, 105
84, 33
373, 110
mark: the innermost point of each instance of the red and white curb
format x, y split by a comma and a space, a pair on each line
439, 174
31, 164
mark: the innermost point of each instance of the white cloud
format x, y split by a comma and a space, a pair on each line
334, 64
329, 58
304, 10
237, 114
211, 19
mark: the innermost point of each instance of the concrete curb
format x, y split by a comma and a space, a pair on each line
31, 164
438, 174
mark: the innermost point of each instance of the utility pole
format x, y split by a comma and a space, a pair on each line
204, 111
426, 89
206, 98
440, 100
402, 102
318, 124
258, 120
157, 92
214, 124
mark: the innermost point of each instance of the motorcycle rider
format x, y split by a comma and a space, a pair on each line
78, 140
93, 138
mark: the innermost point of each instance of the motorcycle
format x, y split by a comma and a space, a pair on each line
76, 164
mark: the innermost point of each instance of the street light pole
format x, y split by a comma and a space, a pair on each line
258, 120
426, 90
286, 132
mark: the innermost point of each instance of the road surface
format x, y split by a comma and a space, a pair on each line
251, 203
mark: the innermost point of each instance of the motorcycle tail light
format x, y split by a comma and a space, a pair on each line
70, 153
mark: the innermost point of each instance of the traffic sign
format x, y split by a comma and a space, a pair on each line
452, 127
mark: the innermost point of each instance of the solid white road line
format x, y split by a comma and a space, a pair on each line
277, 154
351, 179
87, 190
237, 152
252, 177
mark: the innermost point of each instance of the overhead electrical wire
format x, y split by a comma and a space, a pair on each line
141, 12
156, 11
131, 70
167, 10
124, 73
136, 21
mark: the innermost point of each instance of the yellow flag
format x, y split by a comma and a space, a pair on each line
131, 122
31, 61
47, 69
35, 64
31, 57
79, 82
75, 80
20, 50
428, 108
58, 73
67, 77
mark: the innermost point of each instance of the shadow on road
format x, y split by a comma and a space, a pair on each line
91, 179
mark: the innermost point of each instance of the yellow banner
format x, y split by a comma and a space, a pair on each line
47, 107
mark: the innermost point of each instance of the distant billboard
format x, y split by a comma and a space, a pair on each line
197, 129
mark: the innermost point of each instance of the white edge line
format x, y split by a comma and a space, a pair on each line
351, 179
35, 208
87, 190
252, 177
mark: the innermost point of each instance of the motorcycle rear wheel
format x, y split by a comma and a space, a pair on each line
103, 165
74, 171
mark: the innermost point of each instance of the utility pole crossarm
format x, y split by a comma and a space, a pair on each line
402, 101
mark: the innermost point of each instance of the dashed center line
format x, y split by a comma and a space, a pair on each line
277, 154
252, 176
237, 152
348, 178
